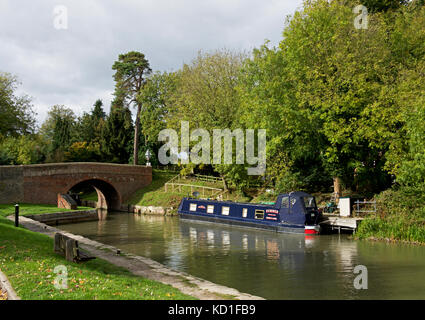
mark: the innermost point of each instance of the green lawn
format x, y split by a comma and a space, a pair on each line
29, 209
28, 260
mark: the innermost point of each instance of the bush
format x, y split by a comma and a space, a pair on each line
401, 216
404, 200
25, 149
83, 151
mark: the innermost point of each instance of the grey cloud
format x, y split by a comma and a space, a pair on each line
73, 66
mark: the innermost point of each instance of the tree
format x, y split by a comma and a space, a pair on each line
59, 130
155, 98
24, 149
97, 112
83, 151
326, 97
89, 126
205, 91
382, 5
406, 156
131, 70
16, 114
117, 135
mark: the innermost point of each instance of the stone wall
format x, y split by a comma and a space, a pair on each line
11, 184
66, 217
151, 210
65, 201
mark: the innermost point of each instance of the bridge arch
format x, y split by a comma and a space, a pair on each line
108, 197
41, 183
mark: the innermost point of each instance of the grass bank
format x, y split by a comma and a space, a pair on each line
27, 209
28, 260
155, 195
400, 217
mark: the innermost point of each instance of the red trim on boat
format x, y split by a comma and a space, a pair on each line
311, 229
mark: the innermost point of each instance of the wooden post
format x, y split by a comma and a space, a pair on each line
337, 188
69, 250
58, 248
358, 208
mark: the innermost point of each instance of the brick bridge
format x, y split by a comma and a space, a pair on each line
41, 183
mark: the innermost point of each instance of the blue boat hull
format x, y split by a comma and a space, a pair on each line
245, 224
292, 213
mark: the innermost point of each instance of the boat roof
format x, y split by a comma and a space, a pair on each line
232, 202
296, 194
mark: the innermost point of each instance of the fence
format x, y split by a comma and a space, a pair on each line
364, 207
183, 188
168, 168
175, 185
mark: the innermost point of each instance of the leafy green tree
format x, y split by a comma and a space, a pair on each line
155, 99
406, 157
205, 91
24, 149
382, 5
326, 96
83, 151
131, 70
16, 114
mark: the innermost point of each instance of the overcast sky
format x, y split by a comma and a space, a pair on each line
62, 51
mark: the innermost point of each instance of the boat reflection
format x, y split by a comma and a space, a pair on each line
283, 249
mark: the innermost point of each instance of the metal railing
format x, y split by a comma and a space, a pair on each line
184, 188
364, 207
175, 184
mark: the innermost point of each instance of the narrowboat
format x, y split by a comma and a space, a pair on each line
295, 212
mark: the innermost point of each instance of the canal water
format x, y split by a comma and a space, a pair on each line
264, 263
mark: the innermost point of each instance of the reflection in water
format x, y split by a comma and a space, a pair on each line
274, 266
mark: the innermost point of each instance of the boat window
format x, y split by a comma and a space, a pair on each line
285, 202
293, 201
225, 211
244, 212
309, 202
259, 214
210, 209
192, 207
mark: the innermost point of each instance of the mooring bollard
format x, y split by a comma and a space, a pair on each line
16, 215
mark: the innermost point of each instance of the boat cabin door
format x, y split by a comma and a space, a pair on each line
287, 211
